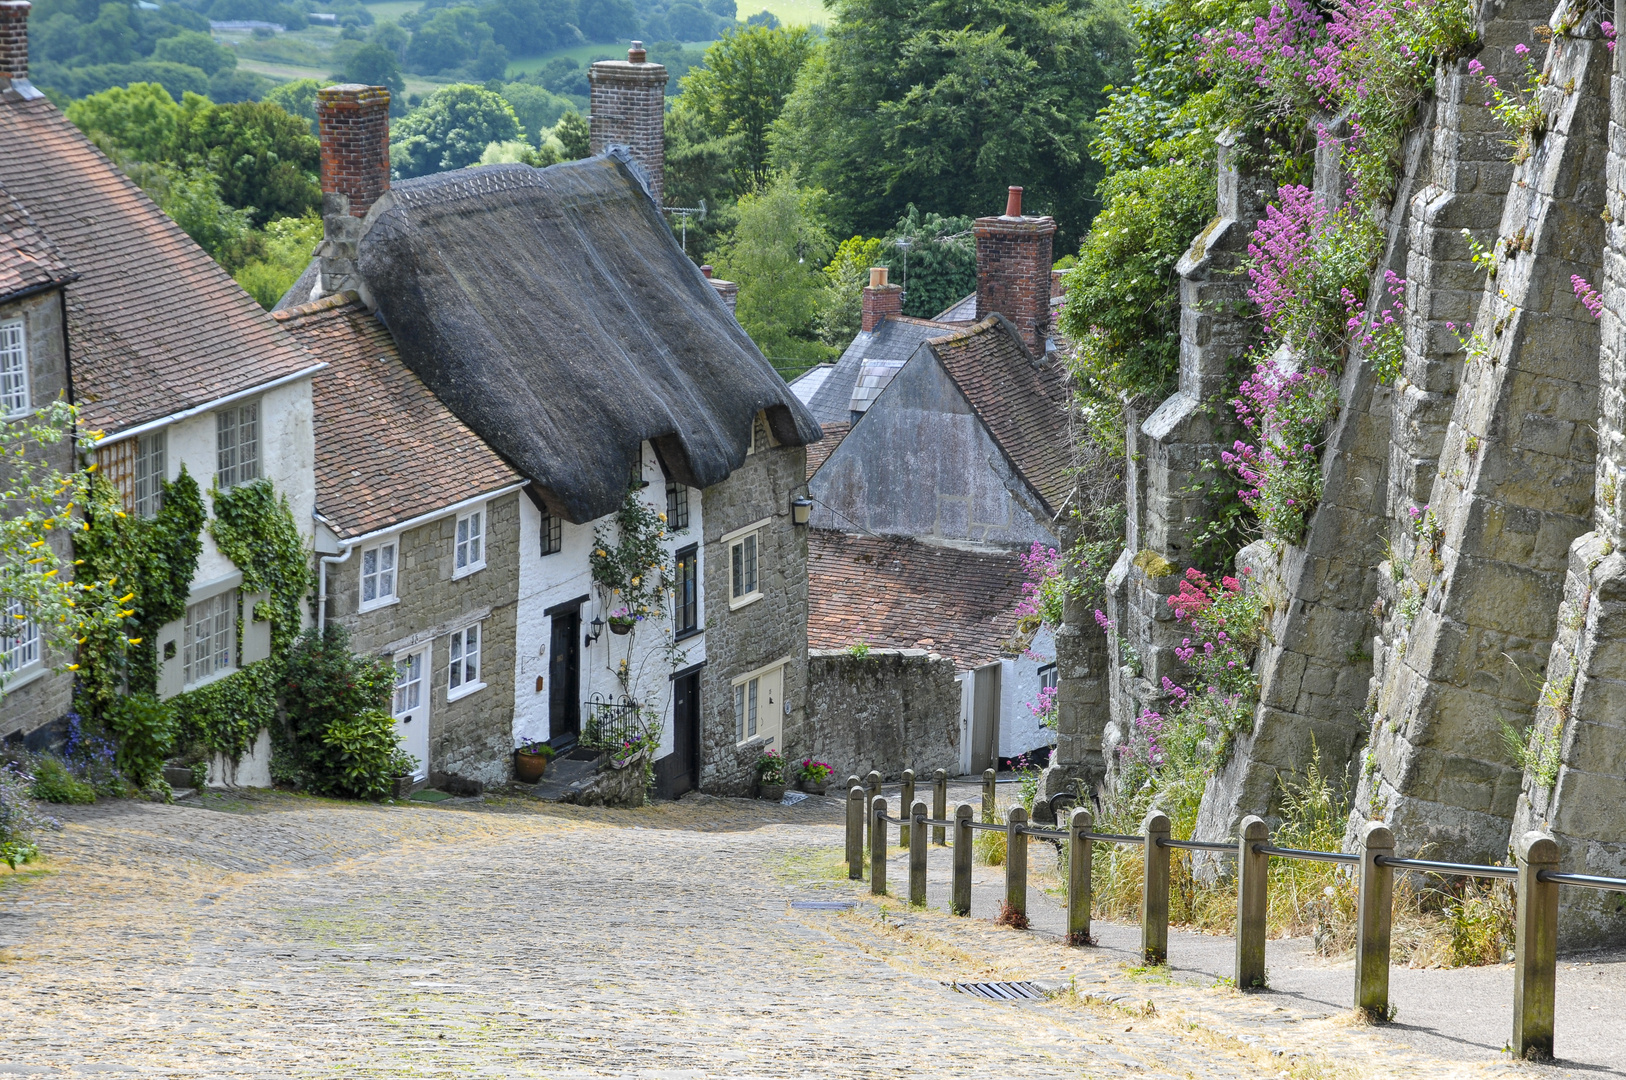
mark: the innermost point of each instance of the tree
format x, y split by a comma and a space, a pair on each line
845, 278
451, 37
537, 109
232, 85
139, 119
375, 65
742, 88
265, 159
111, 39
945, 105
297, 98
451, 130
285, 251
574, 135
606, 20
774, 254
198, 50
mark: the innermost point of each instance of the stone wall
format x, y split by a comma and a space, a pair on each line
891, 710
471, 736
763, 632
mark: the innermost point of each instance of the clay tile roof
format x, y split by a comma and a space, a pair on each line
29, 261
1022, 401
156, 325
387, 450
819, 452
901, 594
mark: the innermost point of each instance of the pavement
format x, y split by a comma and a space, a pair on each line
270, 935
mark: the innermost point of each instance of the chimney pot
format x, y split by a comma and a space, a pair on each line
637, 54
707, 270
13, 40
1013, 202
877, 276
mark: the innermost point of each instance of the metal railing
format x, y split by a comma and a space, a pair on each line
1374, 865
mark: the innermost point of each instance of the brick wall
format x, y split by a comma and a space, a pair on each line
629, 109
1013, 271
880, 301
14, 39
353, 122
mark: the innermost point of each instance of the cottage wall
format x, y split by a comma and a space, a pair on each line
889, 710
765, 632
469, 736
38, 695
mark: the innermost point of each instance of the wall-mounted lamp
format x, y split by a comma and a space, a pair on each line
598, 629
801, 507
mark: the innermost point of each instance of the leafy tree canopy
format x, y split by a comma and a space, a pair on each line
451, 130
264, 159
741, 90
775, 253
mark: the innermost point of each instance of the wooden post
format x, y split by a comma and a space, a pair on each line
1374, 914
1252, 900
877, 851
1080, 851
960, 897
1016, 860
1154, 899
873, 784
917, 854
939, 803
904, 804
990, 801
1535, 948
855, 831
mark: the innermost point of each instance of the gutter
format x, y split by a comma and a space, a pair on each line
209, 406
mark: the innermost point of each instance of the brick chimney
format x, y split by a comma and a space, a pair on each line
14, 50
1013, 269
880, 299
727, 291
629, 109
353, 125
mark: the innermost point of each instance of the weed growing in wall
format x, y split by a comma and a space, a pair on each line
1286, 412
1517, 106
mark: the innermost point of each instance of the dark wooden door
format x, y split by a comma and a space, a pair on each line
685, 733
565, 677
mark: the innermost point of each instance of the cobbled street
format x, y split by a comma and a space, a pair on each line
272, 935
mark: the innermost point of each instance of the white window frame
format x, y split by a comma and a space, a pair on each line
458, 652
219, 613
22, 651
418, 684
237, 470
148, 473
15, 398
470, 532
768, 721
748, 543
380, 599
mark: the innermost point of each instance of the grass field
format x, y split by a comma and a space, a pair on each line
391, 10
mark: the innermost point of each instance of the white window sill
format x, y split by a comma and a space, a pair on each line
216, 677
464, 691
376, 605
467, 571
763, 741
735, 603
23, 676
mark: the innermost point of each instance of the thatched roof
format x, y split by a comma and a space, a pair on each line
554, 312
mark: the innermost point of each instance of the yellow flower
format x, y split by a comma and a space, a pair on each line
81, 641
599, 553
73, 667
125, 599
37, 543
134, 640
85, 525
41, 558
91, 467
661, 516
120, 513
49, 573
96, 435
78, 562
126, 614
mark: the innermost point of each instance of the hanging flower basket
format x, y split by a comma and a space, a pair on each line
622, 624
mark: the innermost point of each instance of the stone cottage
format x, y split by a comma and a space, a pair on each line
553, 313
417, 542
33, 373
190, 375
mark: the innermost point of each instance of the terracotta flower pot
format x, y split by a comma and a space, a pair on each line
529, 768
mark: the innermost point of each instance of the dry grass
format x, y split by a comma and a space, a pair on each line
1009, 916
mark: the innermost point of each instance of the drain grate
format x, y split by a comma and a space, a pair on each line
822, 905
999, 991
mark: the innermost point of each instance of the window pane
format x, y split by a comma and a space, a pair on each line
369, 575
455, 676
750, 549
149, 474
737, 553
13, 369
739, 713
751, 707
471, 654
476, 537
386, 571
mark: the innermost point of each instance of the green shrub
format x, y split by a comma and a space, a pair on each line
143, 728
341, 739
358, 757
54, 783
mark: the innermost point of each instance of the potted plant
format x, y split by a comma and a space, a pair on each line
814, 776
531, 762
622, 620
771, 775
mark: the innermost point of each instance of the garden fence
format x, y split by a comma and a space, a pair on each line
1535, 962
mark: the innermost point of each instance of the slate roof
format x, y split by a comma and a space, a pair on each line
819, 452
895, 339
553, 311
387, 450
963, 310
29, 262
901, 594
156, 325
1023, 402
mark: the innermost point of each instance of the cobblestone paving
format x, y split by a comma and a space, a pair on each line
282, 936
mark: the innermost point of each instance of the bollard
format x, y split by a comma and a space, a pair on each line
960, 897
1154, 899
1252, 880
939, 803
1374, 913
877, 851
873, 792
1016, 864
1079, 853
852, 782
855, 832
990, 801
917, 854
1535, 948
904, 803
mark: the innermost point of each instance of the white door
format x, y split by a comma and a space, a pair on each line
412, 708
